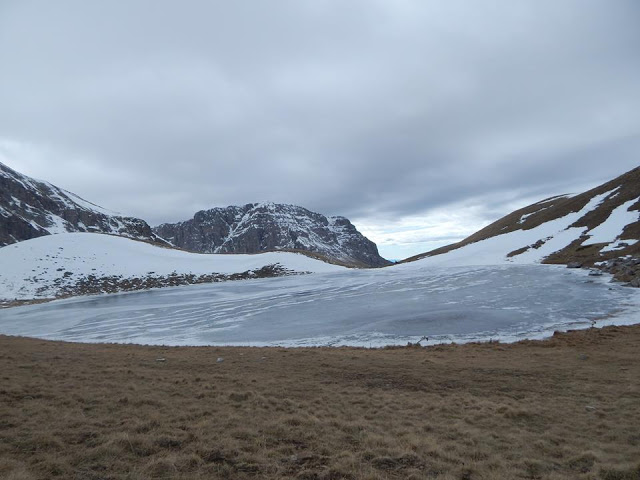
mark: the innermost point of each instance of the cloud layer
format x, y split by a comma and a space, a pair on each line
388, 112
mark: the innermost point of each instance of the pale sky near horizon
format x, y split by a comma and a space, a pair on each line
419, 120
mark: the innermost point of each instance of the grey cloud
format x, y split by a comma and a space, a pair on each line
370, 109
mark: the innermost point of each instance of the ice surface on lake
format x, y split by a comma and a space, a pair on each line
351, 307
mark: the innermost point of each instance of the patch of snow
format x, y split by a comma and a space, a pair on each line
613, 246
565, 195
527, 215
612, 227
58, 225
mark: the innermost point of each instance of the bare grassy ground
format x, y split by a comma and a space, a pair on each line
566, 408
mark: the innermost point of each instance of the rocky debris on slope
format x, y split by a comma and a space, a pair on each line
30, 208
69, 286
260, 227
626, 269
19, 303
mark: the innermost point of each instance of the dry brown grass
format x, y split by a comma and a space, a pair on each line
567, 408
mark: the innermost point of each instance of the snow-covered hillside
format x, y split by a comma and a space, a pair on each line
600, 225
258, 227
47, 266
32, 208
540, 242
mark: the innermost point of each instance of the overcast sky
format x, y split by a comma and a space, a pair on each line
421, 121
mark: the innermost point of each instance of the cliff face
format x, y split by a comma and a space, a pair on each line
30, 208
259, 227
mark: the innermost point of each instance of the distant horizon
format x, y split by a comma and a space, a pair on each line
390, 251
421, 121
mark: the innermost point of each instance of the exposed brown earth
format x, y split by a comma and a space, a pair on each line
565, 408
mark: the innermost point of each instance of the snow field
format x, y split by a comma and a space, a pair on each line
48, 258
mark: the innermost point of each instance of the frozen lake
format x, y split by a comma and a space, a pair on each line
355, 307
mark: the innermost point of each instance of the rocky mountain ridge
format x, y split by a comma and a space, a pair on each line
31, 208
260, 227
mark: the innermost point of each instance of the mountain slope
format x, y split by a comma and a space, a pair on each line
86, 263
31, 208
599, 225
259, 227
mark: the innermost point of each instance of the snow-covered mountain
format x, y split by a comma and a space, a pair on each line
31, 208
598, 227
259, 227
71, 264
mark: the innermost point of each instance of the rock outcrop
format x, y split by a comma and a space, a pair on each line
30, 208
260, 227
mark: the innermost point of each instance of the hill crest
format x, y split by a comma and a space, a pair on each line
588, 229
259, 227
